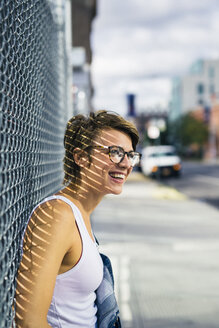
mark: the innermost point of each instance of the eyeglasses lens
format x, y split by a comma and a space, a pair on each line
117, 154
134, 159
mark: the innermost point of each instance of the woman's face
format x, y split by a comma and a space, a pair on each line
103, 175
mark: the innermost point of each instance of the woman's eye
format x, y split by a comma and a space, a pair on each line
115, 152
131, 155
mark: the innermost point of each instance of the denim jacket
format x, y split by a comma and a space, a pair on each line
107, 307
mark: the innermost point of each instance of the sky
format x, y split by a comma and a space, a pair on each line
140, 45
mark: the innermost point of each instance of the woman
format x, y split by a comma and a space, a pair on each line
61, 267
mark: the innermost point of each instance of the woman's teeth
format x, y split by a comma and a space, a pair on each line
117, 175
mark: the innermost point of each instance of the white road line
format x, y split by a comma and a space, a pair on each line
121, 271
196, 246
115, 266
125, 292
124, 275
126, 312
125, 288
206, 179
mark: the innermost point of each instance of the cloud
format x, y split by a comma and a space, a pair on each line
116, 13
140, 45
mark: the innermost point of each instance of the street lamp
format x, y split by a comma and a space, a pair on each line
153, 132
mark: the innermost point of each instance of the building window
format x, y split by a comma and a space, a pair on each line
200, 88
211, 89
211, 71
200, 102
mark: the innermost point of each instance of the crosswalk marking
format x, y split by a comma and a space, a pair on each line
121, 271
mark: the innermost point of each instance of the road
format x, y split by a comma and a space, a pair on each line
165, 253
198, 181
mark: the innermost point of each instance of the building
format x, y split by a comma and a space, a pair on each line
83, 12
198, 92
150, 118
213, 145
81, 82
198, 88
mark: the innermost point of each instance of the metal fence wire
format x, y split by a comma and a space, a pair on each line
33, 113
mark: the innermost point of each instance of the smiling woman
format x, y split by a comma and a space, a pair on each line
61, 268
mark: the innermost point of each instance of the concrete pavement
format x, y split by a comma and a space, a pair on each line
165, 253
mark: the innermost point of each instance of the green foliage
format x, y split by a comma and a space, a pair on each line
187, 134
193, 131
188, 131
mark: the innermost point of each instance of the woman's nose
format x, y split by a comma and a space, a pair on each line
125, 162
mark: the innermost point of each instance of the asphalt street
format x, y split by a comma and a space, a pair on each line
164, 248
199, 180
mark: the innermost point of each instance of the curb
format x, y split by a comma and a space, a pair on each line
161, 191
137, 176
164, 192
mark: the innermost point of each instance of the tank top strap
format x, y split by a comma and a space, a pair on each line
77, 214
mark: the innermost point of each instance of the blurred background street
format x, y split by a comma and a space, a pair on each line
164, 247
199, 181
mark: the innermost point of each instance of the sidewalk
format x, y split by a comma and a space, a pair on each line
155, 189
165, 253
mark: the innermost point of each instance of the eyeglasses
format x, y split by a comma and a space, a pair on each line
117, 154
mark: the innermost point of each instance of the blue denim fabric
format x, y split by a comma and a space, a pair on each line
107, 307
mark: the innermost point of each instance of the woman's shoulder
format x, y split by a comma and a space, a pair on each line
54, 211
52, 223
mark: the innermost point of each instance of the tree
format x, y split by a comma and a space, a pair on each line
190, 133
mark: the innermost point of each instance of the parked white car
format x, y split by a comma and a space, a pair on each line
160, 160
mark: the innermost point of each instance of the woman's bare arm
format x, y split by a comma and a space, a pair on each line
48, 237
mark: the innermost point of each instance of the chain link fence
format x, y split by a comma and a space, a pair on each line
33, 113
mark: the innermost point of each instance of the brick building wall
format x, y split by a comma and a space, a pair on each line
212, 148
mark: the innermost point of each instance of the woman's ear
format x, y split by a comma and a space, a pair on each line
80, 157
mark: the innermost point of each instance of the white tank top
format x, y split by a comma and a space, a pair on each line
73, 301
